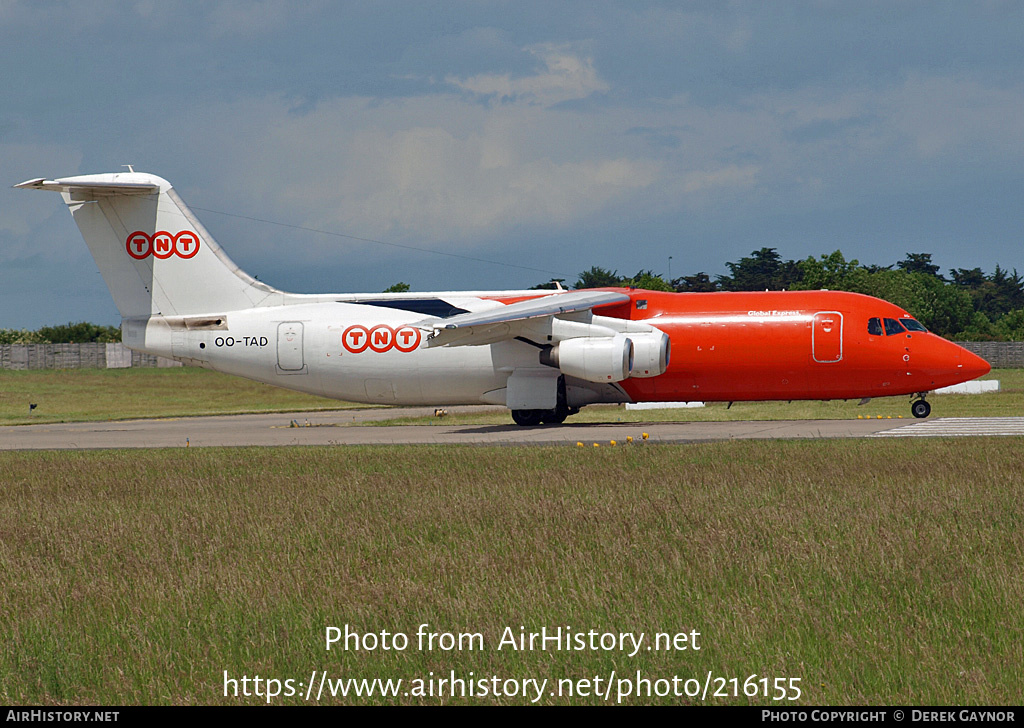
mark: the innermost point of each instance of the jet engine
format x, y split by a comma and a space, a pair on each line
593, 359
650, 354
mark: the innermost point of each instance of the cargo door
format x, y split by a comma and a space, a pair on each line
827, 337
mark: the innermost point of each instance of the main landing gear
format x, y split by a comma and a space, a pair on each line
919, 407
532, 418
556, 416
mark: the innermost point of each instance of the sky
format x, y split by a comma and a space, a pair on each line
346, 146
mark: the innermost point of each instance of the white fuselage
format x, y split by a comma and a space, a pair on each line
303, 347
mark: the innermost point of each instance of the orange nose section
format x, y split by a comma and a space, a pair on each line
943, 363
973, 365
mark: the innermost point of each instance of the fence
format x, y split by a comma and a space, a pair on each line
119, 356
77, 356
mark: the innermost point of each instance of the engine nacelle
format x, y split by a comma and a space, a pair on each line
651, 353
593, 359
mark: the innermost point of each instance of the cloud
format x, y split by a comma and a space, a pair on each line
254, 17
125, 21
425, 169
565, 76
730, 176
433, 168
442, 186
945, 115
441, 169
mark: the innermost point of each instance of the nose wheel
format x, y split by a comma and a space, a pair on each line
920, 408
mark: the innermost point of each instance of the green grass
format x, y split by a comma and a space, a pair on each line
1008, 402
878, 572
78, 395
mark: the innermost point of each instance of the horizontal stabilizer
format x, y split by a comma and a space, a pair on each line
94, 184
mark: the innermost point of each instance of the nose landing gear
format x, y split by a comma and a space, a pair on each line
919, 407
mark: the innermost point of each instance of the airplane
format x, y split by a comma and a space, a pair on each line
542, 354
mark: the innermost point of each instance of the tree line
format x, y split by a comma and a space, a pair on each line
79, 333
967, 305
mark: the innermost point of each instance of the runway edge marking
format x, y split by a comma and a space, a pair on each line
960, 427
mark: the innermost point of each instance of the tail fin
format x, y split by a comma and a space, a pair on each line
155, 256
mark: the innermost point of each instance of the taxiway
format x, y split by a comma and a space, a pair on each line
334, 428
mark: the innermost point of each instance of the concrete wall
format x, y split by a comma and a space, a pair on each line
1000, 354
77, 356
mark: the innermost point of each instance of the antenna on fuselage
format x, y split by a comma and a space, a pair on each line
130, 169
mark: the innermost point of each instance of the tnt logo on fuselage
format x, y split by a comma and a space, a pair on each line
162, 245
357, 339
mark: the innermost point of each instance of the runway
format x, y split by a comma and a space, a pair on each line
334, 428
960, 427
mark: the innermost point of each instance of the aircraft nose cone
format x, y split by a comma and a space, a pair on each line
942, 363
973, 366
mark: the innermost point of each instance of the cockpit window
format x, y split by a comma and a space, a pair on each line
875, 327
912, 325
893, 327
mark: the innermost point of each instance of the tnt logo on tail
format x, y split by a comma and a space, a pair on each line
162, 244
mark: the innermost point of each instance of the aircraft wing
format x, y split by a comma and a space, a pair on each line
484, 327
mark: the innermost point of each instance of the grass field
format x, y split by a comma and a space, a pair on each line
116, 394
875, 571
78, 395
1008, 402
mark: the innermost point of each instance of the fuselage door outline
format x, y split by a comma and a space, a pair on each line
290, 358
827, 337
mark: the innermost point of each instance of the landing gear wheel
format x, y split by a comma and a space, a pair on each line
528, 418
920, 409
556, 416
562, 410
